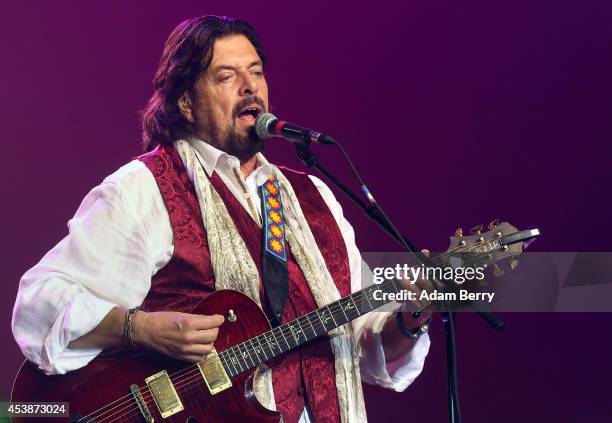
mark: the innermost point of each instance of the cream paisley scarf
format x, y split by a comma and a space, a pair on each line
234, 269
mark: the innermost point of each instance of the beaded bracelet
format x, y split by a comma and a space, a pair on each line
128, 330
412, 334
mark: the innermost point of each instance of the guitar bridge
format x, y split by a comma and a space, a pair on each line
214, 373
142, 405
164, 394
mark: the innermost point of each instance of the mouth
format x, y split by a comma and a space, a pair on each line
250, 113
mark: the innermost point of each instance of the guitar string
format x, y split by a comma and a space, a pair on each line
187, 387
179, 386
263, 349
194, 372
183, 386
271, 350
180, 382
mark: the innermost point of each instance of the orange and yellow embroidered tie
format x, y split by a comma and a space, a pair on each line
274, 260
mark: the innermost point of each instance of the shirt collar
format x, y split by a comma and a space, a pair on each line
219, 161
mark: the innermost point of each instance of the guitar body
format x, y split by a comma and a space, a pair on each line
100, 392
108, 378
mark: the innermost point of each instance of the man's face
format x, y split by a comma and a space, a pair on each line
227, 99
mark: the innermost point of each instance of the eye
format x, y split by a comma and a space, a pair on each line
225, 77
258, 73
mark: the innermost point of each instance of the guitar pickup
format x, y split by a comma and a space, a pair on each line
214, 373
164, 394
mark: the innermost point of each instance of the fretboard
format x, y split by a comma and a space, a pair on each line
290, 335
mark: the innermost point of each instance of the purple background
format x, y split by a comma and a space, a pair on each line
456, 113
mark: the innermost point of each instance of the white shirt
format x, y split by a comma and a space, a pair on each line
121, 236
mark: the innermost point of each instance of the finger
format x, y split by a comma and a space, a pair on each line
424, 284
205, 336
192, 358
417, 319
206, 322
196, 349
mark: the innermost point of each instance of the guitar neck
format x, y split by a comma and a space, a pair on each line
502, 240
290, 335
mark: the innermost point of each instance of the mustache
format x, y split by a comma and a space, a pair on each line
248, 101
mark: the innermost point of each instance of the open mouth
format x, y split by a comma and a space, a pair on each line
250, 112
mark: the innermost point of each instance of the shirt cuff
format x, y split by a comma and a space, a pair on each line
80, 316
397, 374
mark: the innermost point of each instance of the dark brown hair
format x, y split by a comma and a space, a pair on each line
187, 54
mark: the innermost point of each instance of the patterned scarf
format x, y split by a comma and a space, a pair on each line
235, 269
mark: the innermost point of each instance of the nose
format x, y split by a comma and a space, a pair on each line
249, 85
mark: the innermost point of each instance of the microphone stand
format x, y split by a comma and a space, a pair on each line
373, 210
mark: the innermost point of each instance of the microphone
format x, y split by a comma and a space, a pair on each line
267, 125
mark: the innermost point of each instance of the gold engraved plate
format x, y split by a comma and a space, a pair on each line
164, 394
214, 373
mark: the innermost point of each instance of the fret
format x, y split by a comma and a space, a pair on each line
235, 360
263, 350
393, 284
226, 362
295, 330
366, 293
303, 329
324, 317
257, 350
281, 332
339, 302
245, 354
301, 323
268, 341
360, 303
332, 316
304, 324
348, 308
271, 342
376, 303
314, 332
355, 305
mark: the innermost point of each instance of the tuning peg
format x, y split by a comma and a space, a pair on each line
497, 271
493, 224
476, 230
459, 232
513, 263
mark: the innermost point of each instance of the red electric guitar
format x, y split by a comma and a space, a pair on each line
147, 387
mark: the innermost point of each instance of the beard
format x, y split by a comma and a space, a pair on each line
242, 146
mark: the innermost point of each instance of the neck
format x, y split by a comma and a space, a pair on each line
248, 166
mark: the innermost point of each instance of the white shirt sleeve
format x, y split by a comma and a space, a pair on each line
400, 373
107, 259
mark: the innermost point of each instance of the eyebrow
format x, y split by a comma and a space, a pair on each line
228, 67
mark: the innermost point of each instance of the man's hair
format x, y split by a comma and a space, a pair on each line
187, 54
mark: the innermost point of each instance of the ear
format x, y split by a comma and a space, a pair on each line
184, 104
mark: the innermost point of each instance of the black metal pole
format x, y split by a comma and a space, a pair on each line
448, 317
448, 324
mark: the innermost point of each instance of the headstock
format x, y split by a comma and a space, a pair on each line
500, 241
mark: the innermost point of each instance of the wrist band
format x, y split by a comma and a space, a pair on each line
128, 330
412, 334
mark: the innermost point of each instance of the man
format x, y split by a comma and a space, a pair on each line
186, 218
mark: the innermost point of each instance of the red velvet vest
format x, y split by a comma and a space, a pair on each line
308, 373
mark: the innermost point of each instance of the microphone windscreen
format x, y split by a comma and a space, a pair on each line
261, 125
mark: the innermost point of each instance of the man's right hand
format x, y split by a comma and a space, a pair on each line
183, 336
